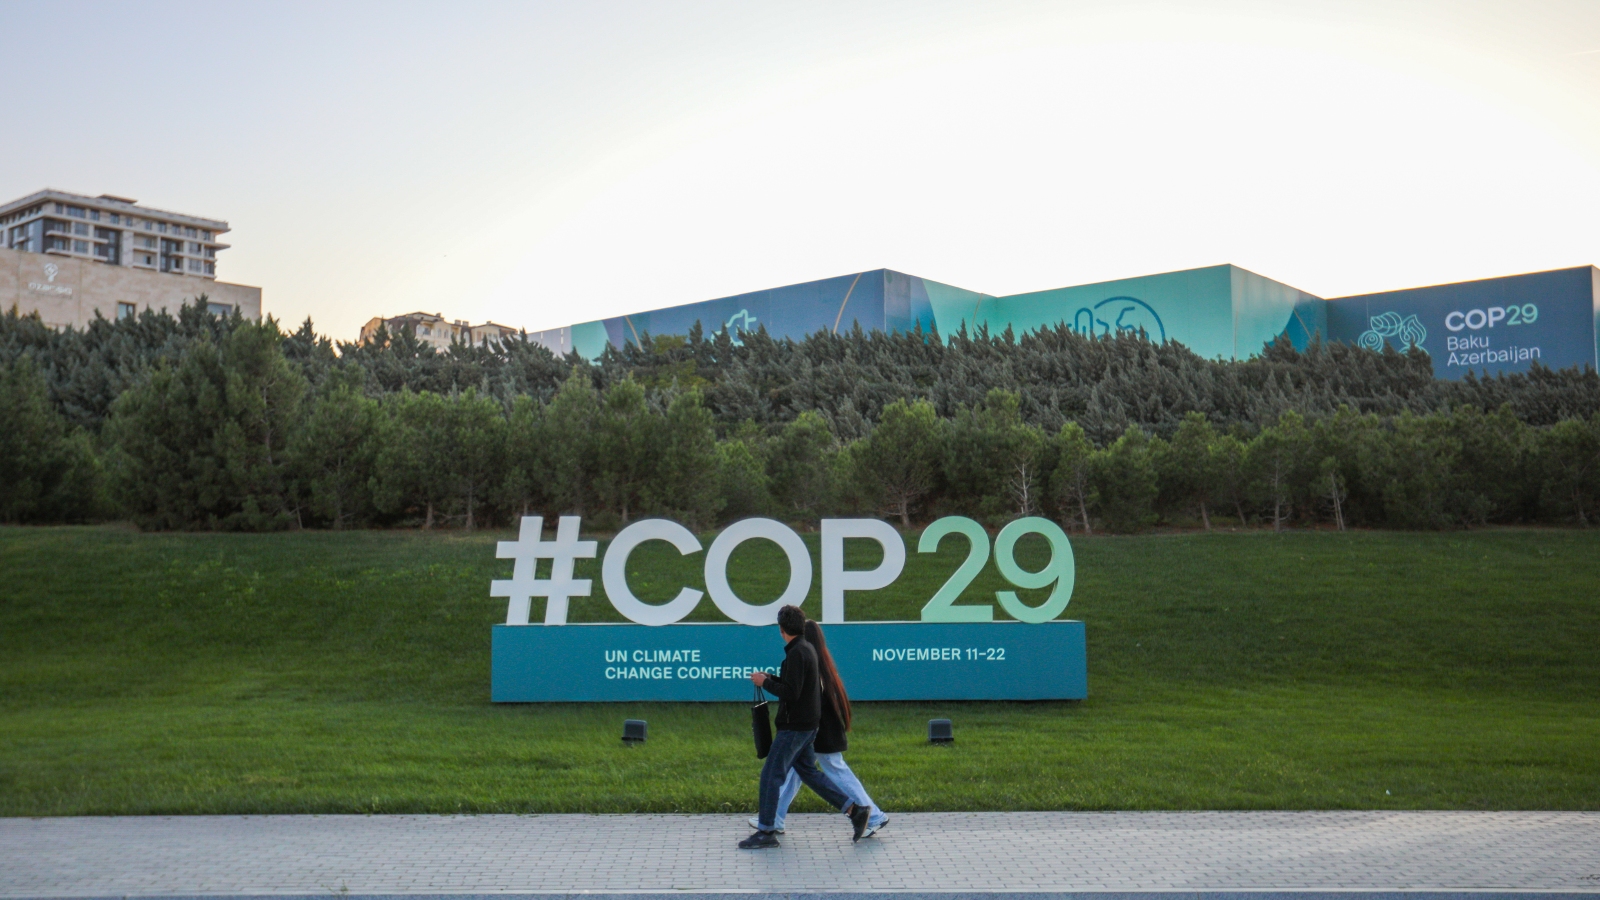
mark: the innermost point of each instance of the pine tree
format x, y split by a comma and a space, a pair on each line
799, 466
48, 472
203, 444
898, 462
1125, 478
569, 438
626, 449
686, 482
477, 436
335, 454
414, 466
1569, 455
1187, 468
1279, 463
1072, 482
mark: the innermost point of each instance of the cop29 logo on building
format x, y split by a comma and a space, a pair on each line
1407, 332
970, 654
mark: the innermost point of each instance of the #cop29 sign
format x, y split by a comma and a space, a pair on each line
956, 652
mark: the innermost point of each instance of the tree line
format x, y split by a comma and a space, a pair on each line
195, 421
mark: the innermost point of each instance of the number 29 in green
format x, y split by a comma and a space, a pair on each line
1061, 570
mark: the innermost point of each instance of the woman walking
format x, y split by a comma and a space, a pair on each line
831, 743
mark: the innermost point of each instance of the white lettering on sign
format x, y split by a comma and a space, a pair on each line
59, 289
1057, 574
836, 579
717, 570
1474, 319
939, 654
527, 551
684, 673
614, 572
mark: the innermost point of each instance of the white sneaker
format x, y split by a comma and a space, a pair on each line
756, 824
874, 829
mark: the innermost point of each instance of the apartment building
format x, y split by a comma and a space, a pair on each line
69, 256
436, 331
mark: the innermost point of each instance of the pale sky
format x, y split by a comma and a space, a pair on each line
545, 164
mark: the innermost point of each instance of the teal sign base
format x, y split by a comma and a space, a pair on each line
699, 662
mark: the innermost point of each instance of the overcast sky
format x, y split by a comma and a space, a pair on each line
544, 164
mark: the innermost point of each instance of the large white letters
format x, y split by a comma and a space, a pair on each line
836, 579
527, 550
1058, 573
717, 570
614, 572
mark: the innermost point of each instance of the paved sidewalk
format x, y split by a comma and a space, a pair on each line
927, 852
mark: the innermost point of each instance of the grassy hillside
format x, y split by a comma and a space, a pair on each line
342, 672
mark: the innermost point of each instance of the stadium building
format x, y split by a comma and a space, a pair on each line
1220, 312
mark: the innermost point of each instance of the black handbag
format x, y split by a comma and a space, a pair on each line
760, 725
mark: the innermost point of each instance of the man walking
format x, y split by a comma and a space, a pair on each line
798, 687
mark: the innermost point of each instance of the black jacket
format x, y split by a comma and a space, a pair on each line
797, 687
830, 730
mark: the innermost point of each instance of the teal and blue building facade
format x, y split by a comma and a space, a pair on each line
1492, 326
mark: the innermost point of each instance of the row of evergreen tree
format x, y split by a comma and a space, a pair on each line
192, 421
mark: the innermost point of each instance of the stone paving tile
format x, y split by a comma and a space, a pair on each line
918, 852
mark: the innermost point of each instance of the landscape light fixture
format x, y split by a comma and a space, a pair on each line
633, 731
940, 732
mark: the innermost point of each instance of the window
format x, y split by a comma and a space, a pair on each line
80, 246
94, 215
194, 248
161, 227
76, 212
211, 268
149, 260
206, 235
80, 228
219, 309
126, 310
189, 232
58, 208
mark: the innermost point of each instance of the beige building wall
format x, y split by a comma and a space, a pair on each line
66, 291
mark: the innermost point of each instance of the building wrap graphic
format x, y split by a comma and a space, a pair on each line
1219, 312
1407, 332
738, 324
1493, 326
1127, 315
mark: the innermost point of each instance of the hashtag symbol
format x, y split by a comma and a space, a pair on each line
527, 550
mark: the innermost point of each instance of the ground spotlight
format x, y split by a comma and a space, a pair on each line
940, 732
634, 730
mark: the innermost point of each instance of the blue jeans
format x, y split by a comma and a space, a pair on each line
791, 751
833, 766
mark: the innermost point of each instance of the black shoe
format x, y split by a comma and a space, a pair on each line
858, 820
761, 840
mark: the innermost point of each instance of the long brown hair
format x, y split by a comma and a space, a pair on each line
832, 684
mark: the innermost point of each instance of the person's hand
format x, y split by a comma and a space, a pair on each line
760, 678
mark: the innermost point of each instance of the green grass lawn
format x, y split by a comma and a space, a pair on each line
349, 672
